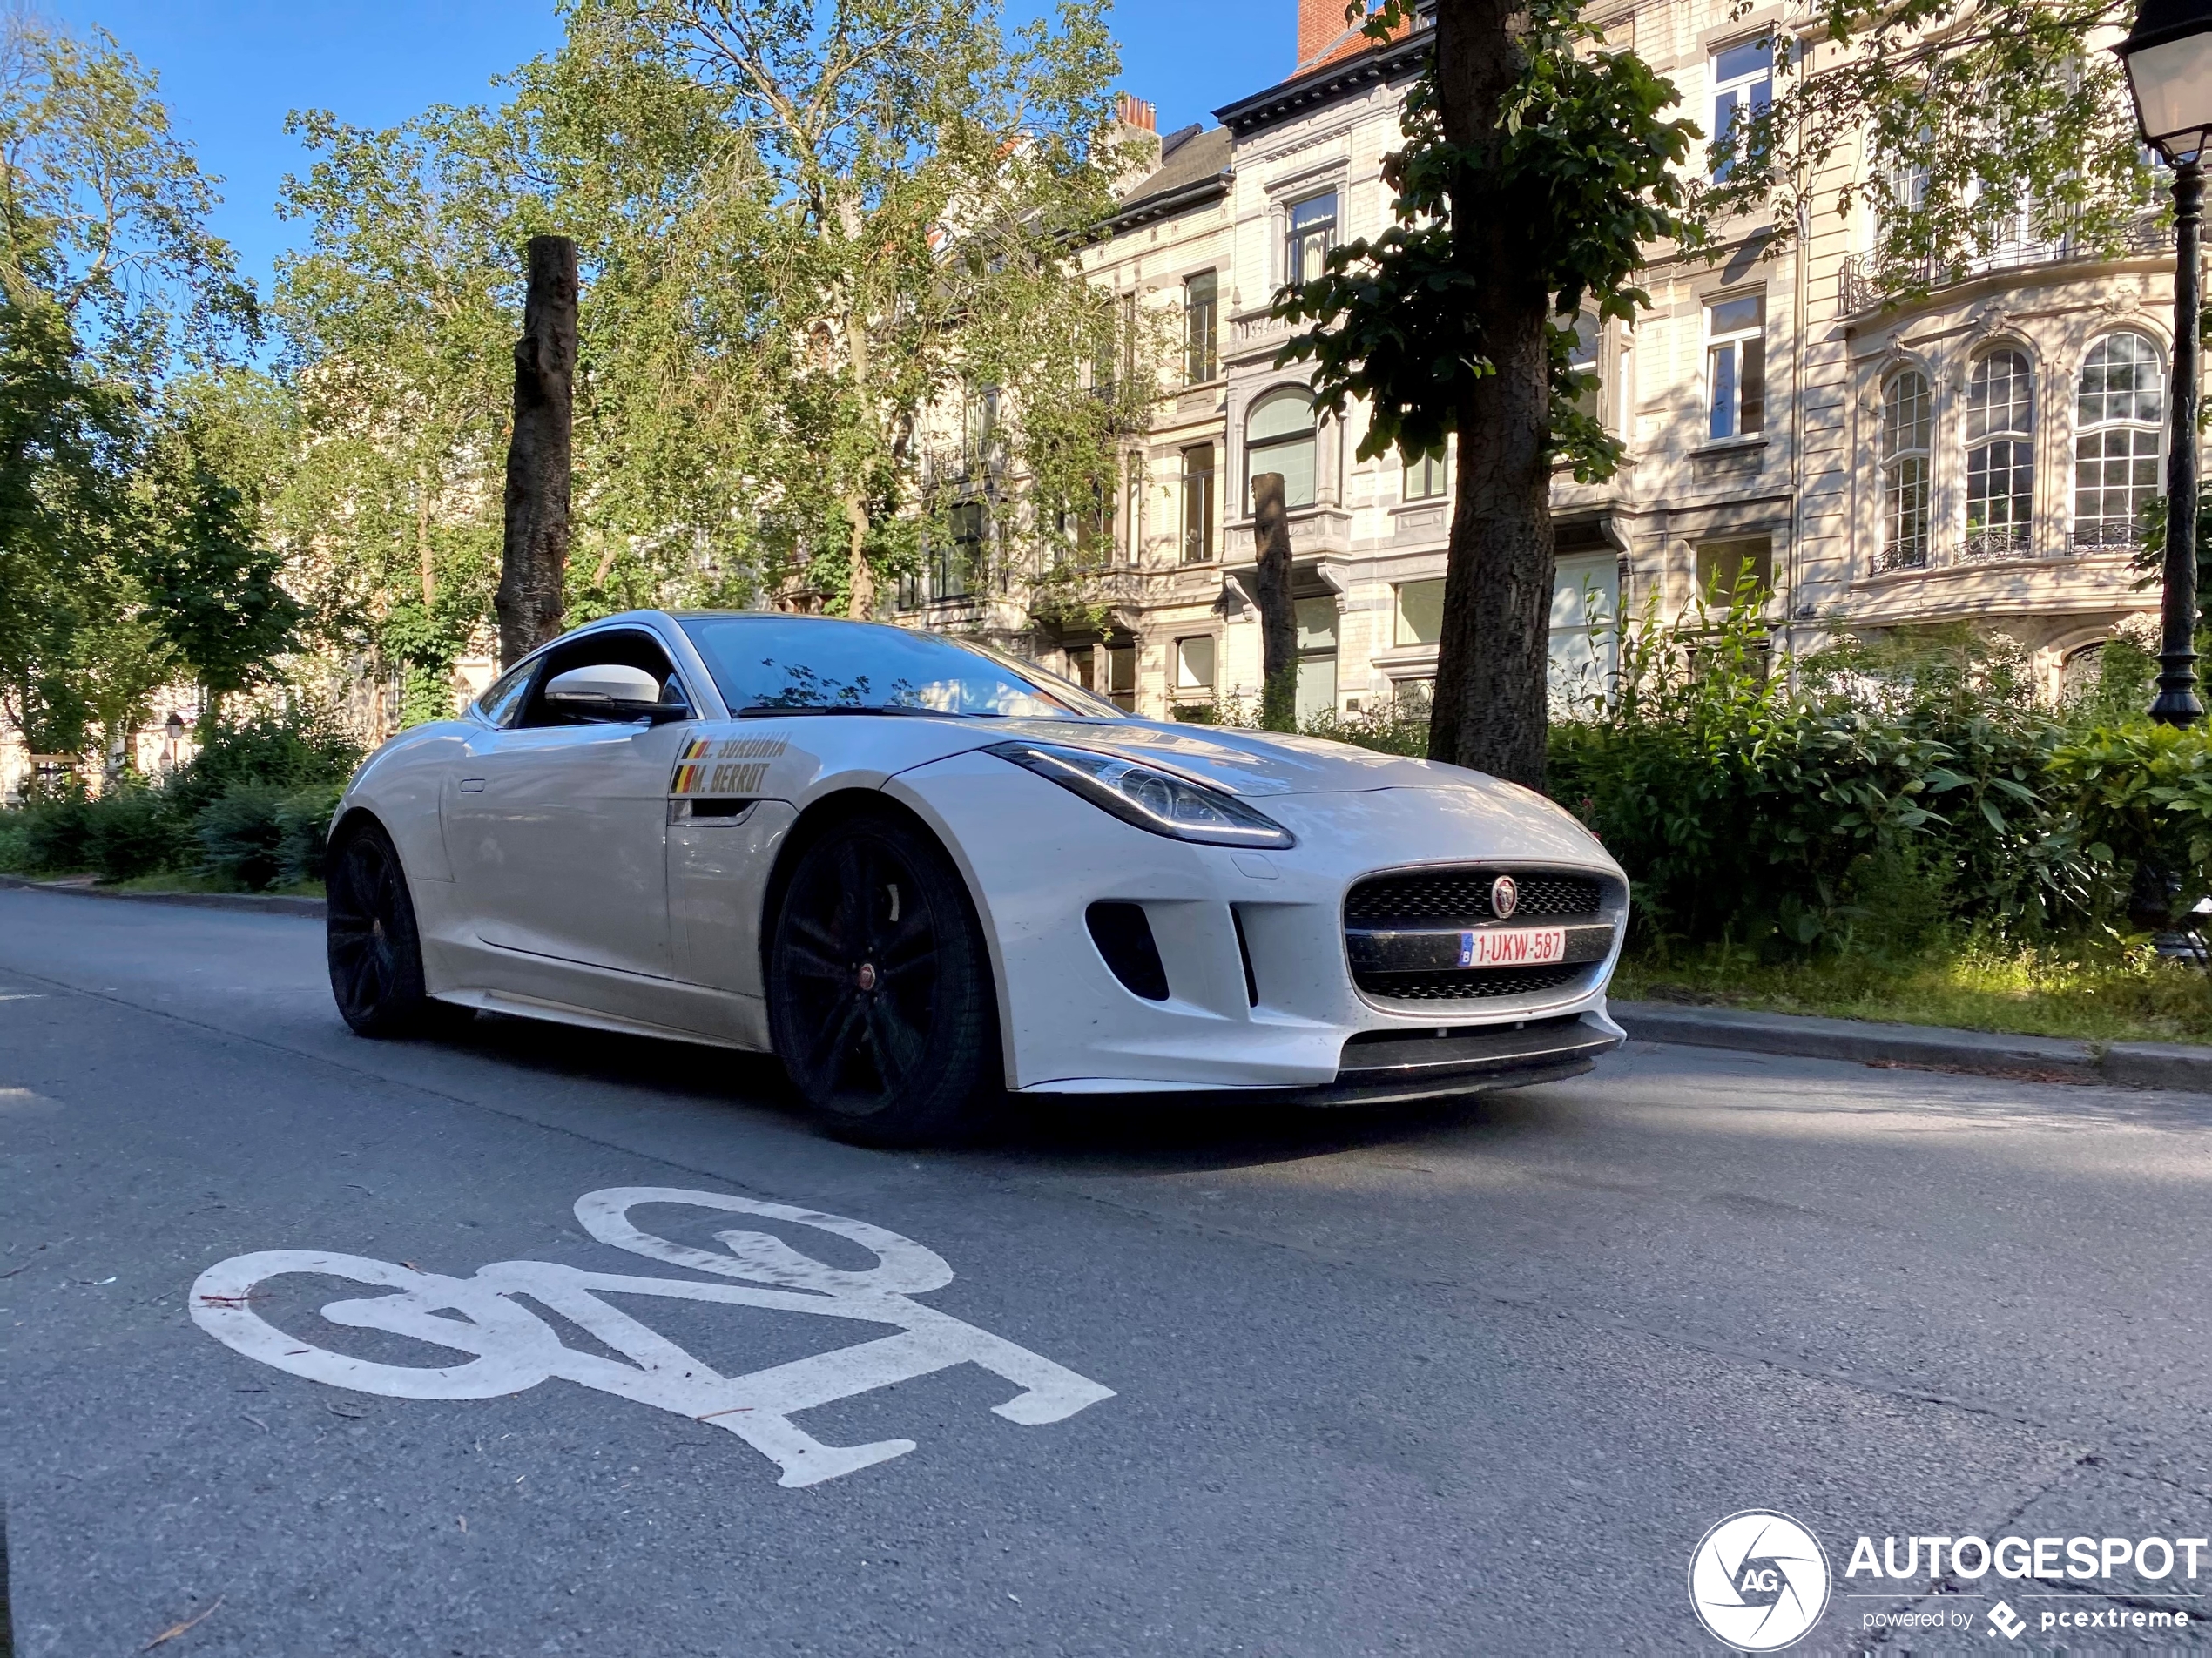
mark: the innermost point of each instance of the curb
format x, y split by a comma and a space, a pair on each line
2152, 1065
257, 903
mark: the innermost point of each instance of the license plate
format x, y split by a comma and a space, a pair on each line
1496, 946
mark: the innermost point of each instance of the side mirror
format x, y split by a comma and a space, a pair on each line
614, 693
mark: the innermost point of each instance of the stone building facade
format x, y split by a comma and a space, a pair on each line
1980, 454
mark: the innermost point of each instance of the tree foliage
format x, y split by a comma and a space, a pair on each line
1965, 125
114, 295
103, 210
1538, 170
806, 231
398, 318
860, 211
213, 585
1584, 161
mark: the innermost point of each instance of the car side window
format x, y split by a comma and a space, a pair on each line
504, 700
620, 647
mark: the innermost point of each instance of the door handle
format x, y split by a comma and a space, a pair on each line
472, 785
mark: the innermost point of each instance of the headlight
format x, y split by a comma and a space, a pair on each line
1159, 801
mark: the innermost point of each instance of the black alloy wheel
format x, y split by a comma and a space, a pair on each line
375, 953
880, 998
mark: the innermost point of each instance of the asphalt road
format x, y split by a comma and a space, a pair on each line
1464, 1380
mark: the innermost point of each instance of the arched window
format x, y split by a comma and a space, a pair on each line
2119, 424
1905, 471
2001, 466
1278, 437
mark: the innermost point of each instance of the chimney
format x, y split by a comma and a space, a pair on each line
1320, 25
1137, 124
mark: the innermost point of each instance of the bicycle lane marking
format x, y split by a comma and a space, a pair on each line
512, 1348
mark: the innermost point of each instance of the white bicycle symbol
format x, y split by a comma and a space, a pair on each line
514, 1349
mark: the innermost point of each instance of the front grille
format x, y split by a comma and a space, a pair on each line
1469, 982
1463, 895
1434, 902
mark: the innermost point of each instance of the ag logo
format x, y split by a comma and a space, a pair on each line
1759, 1580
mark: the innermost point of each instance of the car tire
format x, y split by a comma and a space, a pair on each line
879, 995
374, 950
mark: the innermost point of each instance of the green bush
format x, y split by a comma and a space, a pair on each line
1397, 727
288, 748
15, 845
132, 830
2142, 793
53, 833
263, 835
1884, 799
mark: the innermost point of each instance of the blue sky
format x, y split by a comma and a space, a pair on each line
231, 69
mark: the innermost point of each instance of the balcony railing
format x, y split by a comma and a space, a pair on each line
1999, 541
2117, 534
1987, 544
1866, 282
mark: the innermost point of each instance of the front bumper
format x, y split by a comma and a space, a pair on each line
1383, 1068
1260, 991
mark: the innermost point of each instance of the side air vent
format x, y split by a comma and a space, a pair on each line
1124, 939
1244, 951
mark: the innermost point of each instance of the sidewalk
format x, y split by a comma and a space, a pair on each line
2158, 1065
82, 886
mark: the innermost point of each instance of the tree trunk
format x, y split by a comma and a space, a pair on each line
428, 564
534, 562
1278, 615
860, 592
1490, 704
861, 597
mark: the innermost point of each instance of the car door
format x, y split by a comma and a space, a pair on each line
556, 826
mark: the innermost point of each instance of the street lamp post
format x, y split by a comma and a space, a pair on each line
2168, 59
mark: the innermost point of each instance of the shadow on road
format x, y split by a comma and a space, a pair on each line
1155, 1134
1126, 1134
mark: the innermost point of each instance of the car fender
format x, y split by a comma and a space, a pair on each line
401, 785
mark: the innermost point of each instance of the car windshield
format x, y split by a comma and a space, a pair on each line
794, 664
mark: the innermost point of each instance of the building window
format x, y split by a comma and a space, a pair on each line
1121, 677
1316, 657
1425, 478
1308, 234
1724, 566
1905, 471
1278, 437
1201, 328
1586, 357
1908, 193
1584, 652
1419, 612
1198, 503
2119, 415
980, 431
2000, 466
1742, 87
959, 557
1132, 536
1194, 664
1735, 364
